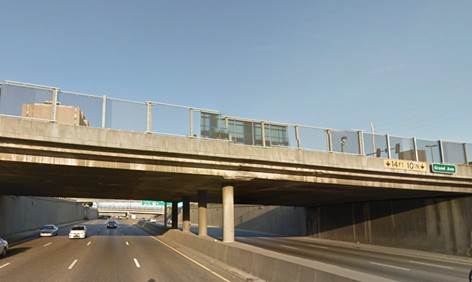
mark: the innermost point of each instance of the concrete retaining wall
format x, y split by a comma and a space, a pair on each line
20, 215
287, 221
441, 225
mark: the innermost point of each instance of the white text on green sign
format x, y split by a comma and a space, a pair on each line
443, 168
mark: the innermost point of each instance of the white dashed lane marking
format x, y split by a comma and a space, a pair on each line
127, 244
136, 262
4, 265
431, 264
72, 264
47, 244
288, 247
89, 242
390, 266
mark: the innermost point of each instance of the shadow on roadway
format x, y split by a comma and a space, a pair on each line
15, 251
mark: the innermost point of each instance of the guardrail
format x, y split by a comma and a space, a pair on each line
56, 105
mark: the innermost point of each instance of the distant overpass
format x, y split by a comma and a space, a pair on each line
124, 206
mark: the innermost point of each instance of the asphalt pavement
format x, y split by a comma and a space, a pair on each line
123, 254
130, 254
398, 265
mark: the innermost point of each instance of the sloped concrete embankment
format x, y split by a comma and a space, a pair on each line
264, 264
21, 217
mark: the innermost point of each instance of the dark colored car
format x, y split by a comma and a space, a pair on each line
112, 224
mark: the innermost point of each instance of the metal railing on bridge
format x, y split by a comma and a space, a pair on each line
53, 104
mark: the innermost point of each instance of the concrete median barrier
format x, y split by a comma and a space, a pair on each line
265, 264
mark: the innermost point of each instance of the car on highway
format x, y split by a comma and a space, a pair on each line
78, 231
3, 247
112, 224
48, 230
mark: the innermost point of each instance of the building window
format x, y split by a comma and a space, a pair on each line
243, 132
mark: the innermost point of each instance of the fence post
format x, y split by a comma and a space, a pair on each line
149, 117
263, 134
441, 151
270, 135
466, 154
360, 136
190, 122
389, 153
104, 111
55, 92
329, 140
227, 128
415, 147
297, 136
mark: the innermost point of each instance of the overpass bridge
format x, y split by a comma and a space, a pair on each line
124, 206
66, 144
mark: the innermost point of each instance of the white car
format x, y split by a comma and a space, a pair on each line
48, 230
3, 247
78, 231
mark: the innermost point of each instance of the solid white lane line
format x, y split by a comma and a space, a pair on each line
137, 263
127, 244
47, 244
391, 266
3, 265
320, 247
89, 242
191, 259
72, 264
431, 264
288, 247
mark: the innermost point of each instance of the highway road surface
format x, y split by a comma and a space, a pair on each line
123, 254
397, 266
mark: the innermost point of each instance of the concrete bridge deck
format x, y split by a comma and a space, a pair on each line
49, 159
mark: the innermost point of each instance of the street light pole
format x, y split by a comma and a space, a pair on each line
343, 143
372, 129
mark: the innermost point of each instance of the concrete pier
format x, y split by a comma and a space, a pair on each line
186, 215
228, 214
175, 215
202, 213
165, 214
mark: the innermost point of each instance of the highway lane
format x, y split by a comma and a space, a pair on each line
123, 254
401, 267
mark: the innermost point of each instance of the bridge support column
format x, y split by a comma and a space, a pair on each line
186, 215
228, 214
165, 214
202, 213
175, 215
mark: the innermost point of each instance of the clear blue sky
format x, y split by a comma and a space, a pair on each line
405, 65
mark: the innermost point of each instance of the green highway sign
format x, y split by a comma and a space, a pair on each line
443, 168
151, 203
